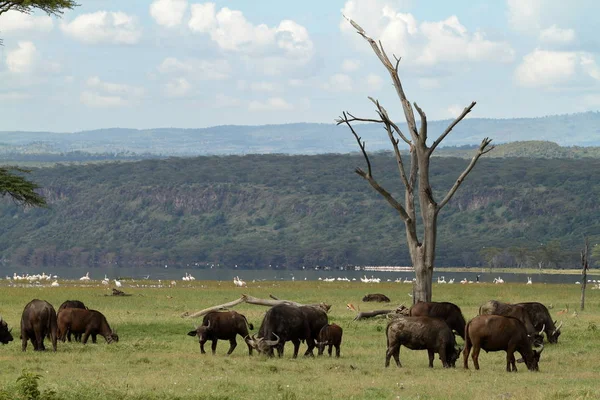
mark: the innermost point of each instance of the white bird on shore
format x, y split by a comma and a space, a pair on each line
117, 283
105, 281
55, 284
529, 282
86, 277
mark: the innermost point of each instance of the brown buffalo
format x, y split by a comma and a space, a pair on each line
496, 333
72, 304
38, 321
86, 322
330, 335
224, 326
449, 312
5, 335
494, 307
421, 333
378, 297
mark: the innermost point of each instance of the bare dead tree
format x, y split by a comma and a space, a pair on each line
585, 267
416, 180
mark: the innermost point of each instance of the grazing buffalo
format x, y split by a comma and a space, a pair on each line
5, 335
38, 321
317, 319
282, 323
72, 304
86, 322
421, 333
330, 335
496, 333
222, 325
378, 297
494, 307
449, 312
541, 320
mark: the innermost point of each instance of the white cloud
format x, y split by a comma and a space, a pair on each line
428, 83
547, 68
272, 104
556, 35
524, 15
107, 94
454, 111
339, 83
224, 101
14, 96
264, 87
374, 82
350, 65
21, 60
231, 31
196, 69
13, 21
178, 87
104, 27
421, 44
168, 13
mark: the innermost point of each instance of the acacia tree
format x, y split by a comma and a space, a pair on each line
19, 189
416, 180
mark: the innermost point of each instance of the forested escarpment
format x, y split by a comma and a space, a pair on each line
296, 211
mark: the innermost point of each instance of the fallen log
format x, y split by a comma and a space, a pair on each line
251, 300
399, 311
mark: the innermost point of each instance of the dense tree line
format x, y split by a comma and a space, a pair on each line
296, 211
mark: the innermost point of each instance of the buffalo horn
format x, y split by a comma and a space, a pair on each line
322, 343
539, 349
10, 330
558, 327
208, 324
272, 342
543, 328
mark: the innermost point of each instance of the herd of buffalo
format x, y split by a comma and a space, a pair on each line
427, 326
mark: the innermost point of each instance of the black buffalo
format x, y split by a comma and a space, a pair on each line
497, 333
5, 335
225, 326
86, 322
317, 319
330, 335
494, 307
421, 333
449, 312
541, 320
38, 321
378, 297
72, 304
282, 323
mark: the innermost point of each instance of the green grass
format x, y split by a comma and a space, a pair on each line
155, 359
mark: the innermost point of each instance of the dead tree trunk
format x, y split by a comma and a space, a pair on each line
416, 180
585, 267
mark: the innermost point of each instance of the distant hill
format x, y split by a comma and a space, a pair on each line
582, 130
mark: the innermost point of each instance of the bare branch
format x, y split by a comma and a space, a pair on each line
483, 149
451, 126
390, 199
385, 118
423, 129
361, 144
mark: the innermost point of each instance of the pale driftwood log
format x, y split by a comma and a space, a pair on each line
251, 300
371, 314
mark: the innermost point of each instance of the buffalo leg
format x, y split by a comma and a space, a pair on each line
442, 352
431, 355
213, 346
337, 351
280, 347
475, 356
24, 340
510, 362
310, 342
393, 351
94, 337
86, 335
466, 352
39, 339
329, 350
202, 346
249, 347
296, 343
232, 346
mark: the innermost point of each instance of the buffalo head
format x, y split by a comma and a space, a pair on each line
537, 338
5, 335
533, 365
553, 336
262, 345
454, 355
202, 332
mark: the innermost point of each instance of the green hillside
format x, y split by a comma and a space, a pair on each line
298, 211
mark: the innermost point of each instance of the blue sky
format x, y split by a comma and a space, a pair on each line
179, 63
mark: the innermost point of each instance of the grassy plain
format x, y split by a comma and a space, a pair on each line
155, 359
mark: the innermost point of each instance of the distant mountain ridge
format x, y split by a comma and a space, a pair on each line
582, 129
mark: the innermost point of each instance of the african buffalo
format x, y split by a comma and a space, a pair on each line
222, 325
86, 322
496, 333
38, 321
541, 320
330, 335
317, 319
5, 335
378, 297
494, 307
421, 333
449, 312
282, 323
72, 304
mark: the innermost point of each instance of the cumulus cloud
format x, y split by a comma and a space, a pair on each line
104, 27
271, 104
224, 101
168, 13
374, 82
546, 68
264, 87
195, 68
178, 87
232, 32
13, 21
350, 65
524, 15
339, 83
21, 60
556, 35
425, 43
428, 83
14, 96
107, 94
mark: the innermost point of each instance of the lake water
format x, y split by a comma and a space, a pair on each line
222, 274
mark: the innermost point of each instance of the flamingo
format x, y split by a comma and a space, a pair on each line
117, 283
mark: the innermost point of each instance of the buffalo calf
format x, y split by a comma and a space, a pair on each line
38, 321
224, 326
330, 335
85, 322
